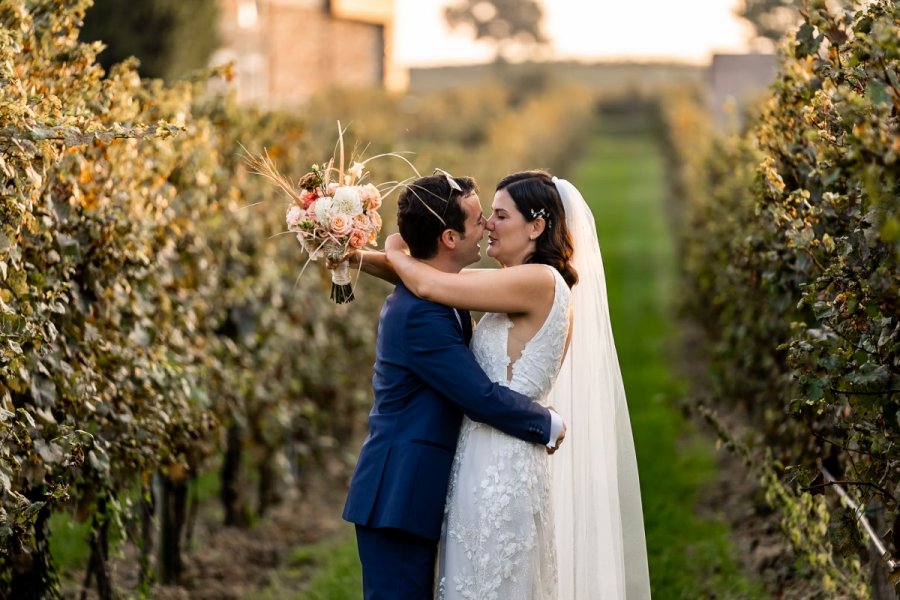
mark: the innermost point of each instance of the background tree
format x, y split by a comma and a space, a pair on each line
169, 37
512, 26
771, 19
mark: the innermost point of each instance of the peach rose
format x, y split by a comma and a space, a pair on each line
375, 218
370, 196
362, 222
341, 224
358, 238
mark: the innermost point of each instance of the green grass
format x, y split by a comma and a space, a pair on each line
622, 177
327, 570
343, 575
69, 539
69, 543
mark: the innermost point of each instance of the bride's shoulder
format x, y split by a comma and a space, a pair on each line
533, 275
547, 274
536, 270
530, 271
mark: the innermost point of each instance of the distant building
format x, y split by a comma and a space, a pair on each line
284, 51
735, 82
606, 79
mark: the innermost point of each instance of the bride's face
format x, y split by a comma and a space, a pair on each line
509, 241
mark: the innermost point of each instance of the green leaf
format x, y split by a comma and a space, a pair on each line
878, 92
43, 391
26, 415
807, 42
50, 453
68, 246
890, 230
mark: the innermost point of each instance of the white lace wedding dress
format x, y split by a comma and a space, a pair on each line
498, 538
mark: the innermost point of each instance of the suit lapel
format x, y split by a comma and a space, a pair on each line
466, 320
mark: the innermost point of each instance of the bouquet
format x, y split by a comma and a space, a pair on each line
331, 211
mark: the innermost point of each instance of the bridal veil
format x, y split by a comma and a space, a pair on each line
596, 493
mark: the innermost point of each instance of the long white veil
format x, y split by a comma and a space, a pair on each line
596, 493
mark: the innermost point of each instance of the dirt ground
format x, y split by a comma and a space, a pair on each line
229, 563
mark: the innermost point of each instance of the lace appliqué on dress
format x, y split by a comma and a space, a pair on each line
498, 539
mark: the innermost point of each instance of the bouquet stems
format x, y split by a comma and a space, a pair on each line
341, 290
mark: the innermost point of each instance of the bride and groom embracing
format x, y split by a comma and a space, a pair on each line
455, 494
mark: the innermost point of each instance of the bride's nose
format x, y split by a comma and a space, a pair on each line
489, 224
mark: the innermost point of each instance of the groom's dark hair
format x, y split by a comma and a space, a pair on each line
429, 206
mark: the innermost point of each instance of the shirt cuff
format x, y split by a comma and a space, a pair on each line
556, 425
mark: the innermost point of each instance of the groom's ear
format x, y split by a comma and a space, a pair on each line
449, 238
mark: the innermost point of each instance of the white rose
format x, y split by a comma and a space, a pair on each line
346, 201
324, 210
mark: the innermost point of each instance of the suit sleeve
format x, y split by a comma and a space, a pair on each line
439, 357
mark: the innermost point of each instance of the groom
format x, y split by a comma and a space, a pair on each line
425, 380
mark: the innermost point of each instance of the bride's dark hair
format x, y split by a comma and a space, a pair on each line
535, 196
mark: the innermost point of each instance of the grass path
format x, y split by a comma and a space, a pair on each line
623, 178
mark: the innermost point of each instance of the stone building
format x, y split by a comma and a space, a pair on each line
286, 50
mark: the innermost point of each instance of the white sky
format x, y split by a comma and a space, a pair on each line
682, 30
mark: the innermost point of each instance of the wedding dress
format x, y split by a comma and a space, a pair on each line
498, 536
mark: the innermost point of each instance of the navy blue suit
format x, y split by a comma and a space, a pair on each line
425, 379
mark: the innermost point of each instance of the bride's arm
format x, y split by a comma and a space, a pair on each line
374, 263
519, 289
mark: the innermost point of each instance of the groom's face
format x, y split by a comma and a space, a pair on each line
469, 247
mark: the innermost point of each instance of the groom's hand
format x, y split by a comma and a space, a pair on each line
559, 438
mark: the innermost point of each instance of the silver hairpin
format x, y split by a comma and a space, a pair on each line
542, 212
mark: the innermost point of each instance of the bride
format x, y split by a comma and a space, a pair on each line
497, 539
517, 524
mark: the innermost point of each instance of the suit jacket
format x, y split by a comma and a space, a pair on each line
425, 379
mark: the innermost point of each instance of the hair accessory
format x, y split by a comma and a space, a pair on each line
450, 181
542, 212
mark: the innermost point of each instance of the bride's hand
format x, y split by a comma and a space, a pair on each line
395, 243
352, 258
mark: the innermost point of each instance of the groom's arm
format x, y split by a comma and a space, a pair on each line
440, 358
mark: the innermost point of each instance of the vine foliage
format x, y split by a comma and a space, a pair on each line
790, 234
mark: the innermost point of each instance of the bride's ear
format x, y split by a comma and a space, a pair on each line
536, 228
